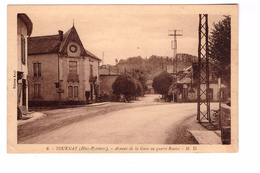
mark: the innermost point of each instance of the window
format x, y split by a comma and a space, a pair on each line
73, 76
211, 93
185, 93
37, 68
70, 92
23, 49
73, 67
91, 70
37, 91
73, 92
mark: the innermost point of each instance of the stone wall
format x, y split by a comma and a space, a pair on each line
225, 124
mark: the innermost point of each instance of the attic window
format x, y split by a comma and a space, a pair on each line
73, 48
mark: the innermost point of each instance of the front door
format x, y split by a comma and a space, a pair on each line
91, 92
24, 92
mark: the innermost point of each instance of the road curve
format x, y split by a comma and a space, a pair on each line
142, 125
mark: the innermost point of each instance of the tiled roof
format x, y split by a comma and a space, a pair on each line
50, 44
43, 44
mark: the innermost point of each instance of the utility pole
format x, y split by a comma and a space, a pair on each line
174, 47
203, 95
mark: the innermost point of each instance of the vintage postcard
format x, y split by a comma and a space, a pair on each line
122, 79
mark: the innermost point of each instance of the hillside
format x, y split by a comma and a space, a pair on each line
154, 64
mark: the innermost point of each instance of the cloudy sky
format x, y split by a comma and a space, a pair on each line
122, 31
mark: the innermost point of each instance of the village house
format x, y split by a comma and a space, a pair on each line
24, 30
61, 70
107, 78
187, 85
150, 89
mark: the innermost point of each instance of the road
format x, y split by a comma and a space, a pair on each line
150, 123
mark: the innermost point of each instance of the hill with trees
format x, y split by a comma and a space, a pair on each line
154, 65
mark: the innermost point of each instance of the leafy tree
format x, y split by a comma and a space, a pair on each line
140, 75
138, 88
220, 48
162, 82
125, 85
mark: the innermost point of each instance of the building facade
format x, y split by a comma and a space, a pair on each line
61, 70
24, 30
187, 85
107, 78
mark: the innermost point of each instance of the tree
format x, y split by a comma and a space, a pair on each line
125, 85
220, 48
140, 75
138, 88
162, 82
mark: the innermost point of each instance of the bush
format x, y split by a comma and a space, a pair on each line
103, 97
162, 82
125, 85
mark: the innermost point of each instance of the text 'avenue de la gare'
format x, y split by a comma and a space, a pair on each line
92, 148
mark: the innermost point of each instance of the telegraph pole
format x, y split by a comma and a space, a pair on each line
103, 58
203, 70
174, 47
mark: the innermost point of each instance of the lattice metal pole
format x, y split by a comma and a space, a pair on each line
203, 96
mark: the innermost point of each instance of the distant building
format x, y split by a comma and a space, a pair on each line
187, 86
61, 70
107, 78
24, 30
149, 84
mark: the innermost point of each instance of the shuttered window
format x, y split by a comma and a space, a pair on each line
23, 49
76, 92
91, 70
73, 67
70, 92
73, 92
37, 69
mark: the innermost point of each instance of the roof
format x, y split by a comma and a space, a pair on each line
27, 21
52, 44
104, 72
92, 55
44, 44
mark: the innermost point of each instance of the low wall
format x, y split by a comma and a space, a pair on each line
225, 124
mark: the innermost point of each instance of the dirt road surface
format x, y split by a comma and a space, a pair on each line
144, 122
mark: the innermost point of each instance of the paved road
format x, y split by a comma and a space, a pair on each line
141, 125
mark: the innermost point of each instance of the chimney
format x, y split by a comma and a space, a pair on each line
60, 35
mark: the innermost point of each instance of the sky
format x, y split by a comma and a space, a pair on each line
122, 31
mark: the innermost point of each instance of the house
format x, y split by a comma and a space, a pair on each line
61, 70
24, 30
149, 84
107, 78
187, 85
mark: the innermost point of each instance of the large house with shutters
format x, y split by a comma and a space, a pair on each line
24, 30
61, 71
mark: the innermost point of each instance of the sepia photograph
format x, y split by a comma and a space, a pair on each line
122, 78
